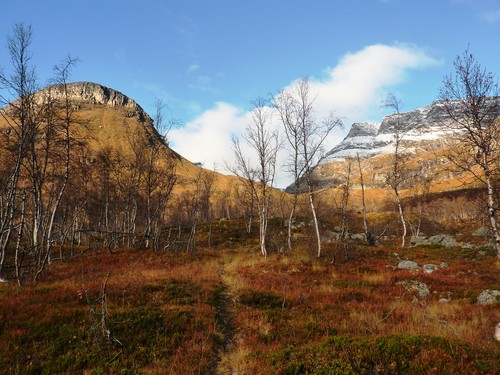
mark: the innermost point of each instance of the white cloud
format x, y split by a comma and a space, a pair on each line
207, 138
351, 88
360, 81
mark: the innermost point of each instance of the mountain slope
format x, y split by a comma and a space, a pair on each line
107, 118
425, 138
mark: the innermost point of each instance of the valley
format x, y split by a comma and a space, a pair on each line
227, 309
119, 255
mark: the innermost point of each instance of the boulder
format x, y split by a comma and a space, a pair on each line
420, 289
483, 231
488, 297
419, 241
408, 265
430, 268
443, 240
358, 237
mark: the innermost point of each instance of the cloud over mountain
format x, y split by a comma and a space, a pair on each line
357, 83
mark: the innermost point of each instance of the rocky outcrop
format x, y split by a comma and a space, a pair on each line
93, 93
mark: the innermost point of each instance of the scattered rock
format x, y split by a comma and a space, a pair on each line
419, 241
445, 298
419, 288
443, 240
443, 265
488, 297
430, 268
481, 254
358, 237
497, 332
483, 231
408, 265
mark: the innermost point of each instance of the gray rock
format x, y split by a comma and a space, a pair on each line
420, 289
438, 240
488, 297
466, 245
430, 268
445, 297
408, 265
483, 231
358, 237
443, 240
443, 265
419, 241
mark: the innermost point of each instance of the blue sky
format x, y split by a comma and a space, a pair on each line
208, 59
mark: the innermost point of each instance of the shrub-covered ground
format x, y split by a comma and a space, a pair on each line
229, 310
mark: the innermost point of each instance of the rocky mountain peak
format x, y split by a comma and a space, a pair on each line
361, 129
422, 124
93, 93
96, 94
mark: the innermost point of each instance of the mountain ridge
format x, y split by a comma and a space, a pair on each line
368, 139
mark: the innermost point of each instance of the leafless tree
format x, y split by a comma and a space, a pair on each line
397, 175
21, 85
471, 100
421, 189
60, 153
161, 122
260, 178
369, 237
305, 136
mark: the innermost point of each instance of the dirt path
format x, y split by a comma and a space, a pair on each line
231, 354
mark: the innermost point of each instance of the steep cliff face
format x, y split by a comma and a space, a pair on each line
94, 93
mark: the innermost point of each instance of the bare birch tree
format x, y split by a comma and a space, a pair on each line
471, 100
305, 136
20, 84
263, 140
369, 237
397, 175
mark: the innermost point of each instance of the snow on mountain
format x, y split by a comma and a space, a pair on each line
371, 138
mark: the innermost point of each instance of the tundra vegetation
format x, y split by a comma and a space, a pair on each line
121, 257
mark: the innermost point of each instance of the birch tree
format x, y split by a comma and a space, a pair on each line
20, 84
259, 178
305, 136
471, 100
397, 175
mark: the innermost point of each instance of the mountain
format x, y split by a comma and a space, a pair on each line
106, 119
425, 133
371, 138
